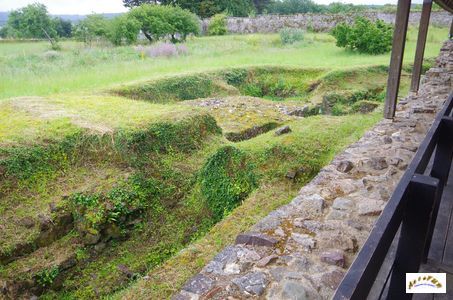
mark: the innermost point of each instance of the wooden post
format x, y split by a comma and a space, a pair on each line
396, 60
451, 30
421, 43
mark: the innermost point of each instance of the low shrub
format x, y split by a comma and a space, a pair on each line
226, 179
46, 277
364, 36
51, 55
163, 50
364, 106
339, 109
218, 25
235, 77
93, 211
187, 87
291, 35
362, 101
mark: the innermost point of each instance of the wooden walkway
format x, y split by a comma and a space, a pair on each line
440, 257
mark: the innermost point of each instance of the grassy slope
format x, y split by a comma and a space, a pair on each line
274, 156
80, 69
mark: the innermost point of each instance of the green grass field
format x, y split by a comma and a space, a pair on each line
26, 71
121, 143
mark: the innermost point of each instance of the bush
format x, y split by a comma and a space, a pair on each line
91, 28
3, 32
364, 36
161, 21
291, 35
218, 25
227, 179
364, 106
163, 50
124, 30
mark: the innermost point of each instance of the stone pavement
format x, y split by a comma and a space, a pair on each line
302, 250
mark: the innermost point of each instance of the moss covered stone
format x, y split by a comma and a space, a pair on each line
226, 179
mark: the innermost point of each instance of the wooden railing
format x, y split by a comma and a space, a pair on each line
411, 212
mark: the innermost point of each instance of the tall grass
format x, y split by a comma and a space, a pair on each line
26, 70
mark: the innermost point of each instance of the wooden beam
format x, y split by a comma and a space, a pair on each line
421, 43
396, 60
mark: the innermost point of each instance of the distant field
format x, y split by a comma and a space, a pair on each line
26, 69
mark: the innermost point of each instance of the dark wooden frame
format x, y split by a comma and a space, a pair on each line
396, 60
421, 44
412, 209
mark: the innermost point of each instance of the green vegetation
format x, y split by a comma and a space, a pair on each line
364, 36
226, 179
159, 21
77, 69
291, 35
218, 25
133, 166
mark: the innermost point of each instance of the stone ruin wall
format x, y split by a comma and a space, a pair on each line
302, 250
317, 22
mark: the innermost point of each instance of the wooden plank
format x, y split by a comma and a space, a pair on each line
448, 251
441, 169
396, 60
436, 251
421, 43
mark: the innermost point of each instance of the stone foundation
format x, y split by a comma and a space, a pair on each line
302, 250
317, 22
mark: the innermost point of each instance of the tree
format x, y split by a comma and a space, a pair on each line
124, 30
92, 27
3, 32
63, 27
159, 21
205, 8
135, 3
31, 21
289, 7
261, 5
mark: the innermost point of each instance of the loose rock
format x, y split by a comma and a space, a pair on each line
333, 257
252, 283
345, 166
283, 130
199, 284
256, 239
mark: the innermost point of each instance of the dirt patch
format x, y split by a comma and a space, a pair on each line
40, 108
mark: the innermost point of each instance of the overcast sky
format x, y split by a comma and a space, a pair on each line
75, 7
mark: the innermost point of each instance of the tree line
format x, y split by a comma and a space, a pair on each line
156, 19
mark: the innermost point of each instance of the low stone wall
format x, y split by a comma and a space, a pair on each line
317, 22
303, 249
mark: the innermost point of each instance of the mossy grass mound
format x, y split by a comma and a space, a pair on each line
41, 175
226, 179
275, 83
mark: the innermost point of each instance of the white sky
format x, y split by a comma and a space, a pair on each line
75, 7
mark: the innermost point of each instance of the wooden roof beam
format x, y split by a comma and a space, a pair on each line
396, 60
